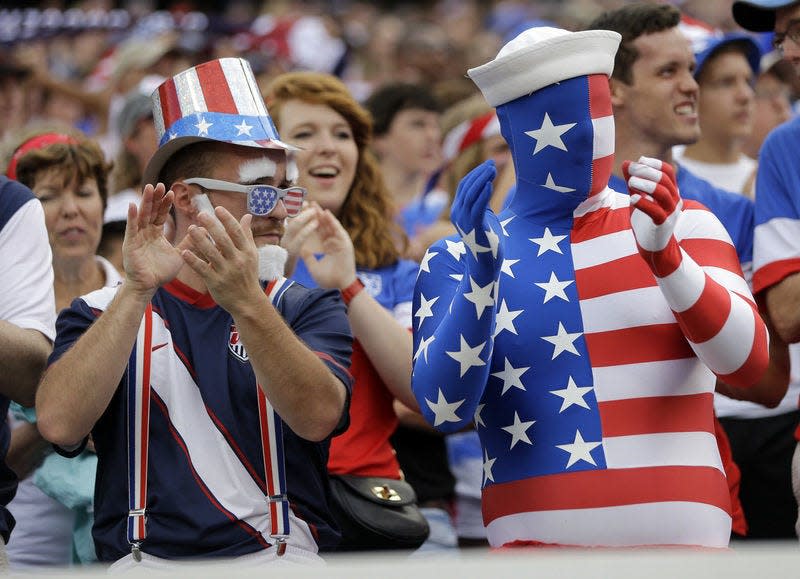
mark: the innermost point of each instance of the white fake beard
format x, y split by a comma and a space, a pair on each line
271, 262
271, 258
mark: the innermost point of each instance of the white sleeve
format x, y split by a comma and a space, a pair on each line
26, 271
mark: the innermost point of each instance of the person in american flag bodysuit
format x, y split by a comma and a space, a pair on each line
582, 329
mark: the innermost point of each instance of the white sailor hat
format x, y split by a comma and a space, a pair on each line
542, 56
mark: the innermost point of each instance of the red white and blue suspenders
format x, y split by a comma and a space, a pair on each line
271, 431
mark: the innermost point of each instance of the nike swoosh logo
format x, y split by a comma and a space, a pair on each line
159, 346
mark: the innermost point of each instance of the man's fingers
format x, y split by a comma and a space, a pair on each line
146, 206
233, 229
163, 207
651, 208
203, 245
200, 266
641, 187
645, 172
216, 231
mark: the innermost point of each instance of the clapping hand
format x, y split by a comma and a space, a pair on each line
471, 215
224, 253
149, 259
337, 266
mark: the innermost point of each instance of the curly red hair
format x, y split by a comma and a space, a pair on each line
367, 212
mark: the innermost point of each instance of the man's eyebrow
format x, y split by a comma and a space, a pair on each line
257, 170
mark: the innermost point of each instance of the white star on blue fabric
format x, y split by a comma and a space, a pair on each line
548, 242
572, 395
554, 288
563, 341
422, 348
203, 126
444, 411
478, 418
504, 223
507, 265
518, 431
467, 356
549, 135
424, 310
488, 463
511, 377
480, 296
456, 249
579, 450
494, 242
173, 135
504, 319
474, 246
426, 259
551, 184
244, 128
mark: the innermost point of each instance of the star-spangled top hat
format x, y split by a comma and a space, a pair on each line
214, 101
541, 56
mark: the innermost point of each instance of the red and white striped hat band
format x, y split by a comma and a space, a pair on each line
471, 131
214, 101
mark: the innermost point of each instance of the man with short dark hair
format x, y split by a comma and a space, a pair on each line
209, 379
655, 98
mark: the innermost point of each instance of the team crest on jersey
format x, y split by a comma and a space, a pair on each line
373, 283
236, 346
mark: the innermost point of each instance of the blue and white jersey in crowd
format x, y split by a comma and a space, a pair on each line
776, 252
735, 212
26, 276
423, 211
206, 487
777, 249
392, 286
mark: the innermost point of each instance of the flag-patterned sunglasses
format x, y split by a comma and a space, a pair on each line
261, 199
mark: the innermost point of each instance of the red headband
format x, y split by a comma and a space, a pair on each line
470, 132
33, 144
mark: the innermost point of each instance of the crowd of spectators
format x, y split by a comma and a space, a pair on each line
88, 69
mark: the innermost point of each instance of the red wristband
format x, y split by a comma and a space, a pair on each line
352, 291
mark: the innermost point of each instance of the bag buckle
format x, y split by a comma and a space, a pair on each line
386, 493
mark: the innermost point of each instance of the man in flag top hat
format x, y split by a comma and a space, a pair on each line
582, 329
209, 383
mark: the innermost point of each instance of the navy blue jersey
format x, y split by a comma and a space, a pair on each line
206, 475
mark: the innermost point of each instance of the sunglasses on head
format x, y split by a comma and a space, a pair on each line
261, 199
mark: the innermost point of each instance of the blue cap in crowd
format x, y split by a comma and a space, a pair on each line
757, 15
704, 48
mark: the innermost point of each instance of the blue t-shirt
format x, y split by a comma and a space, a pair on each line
422, 212
392, 286
777, 249
209, 373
